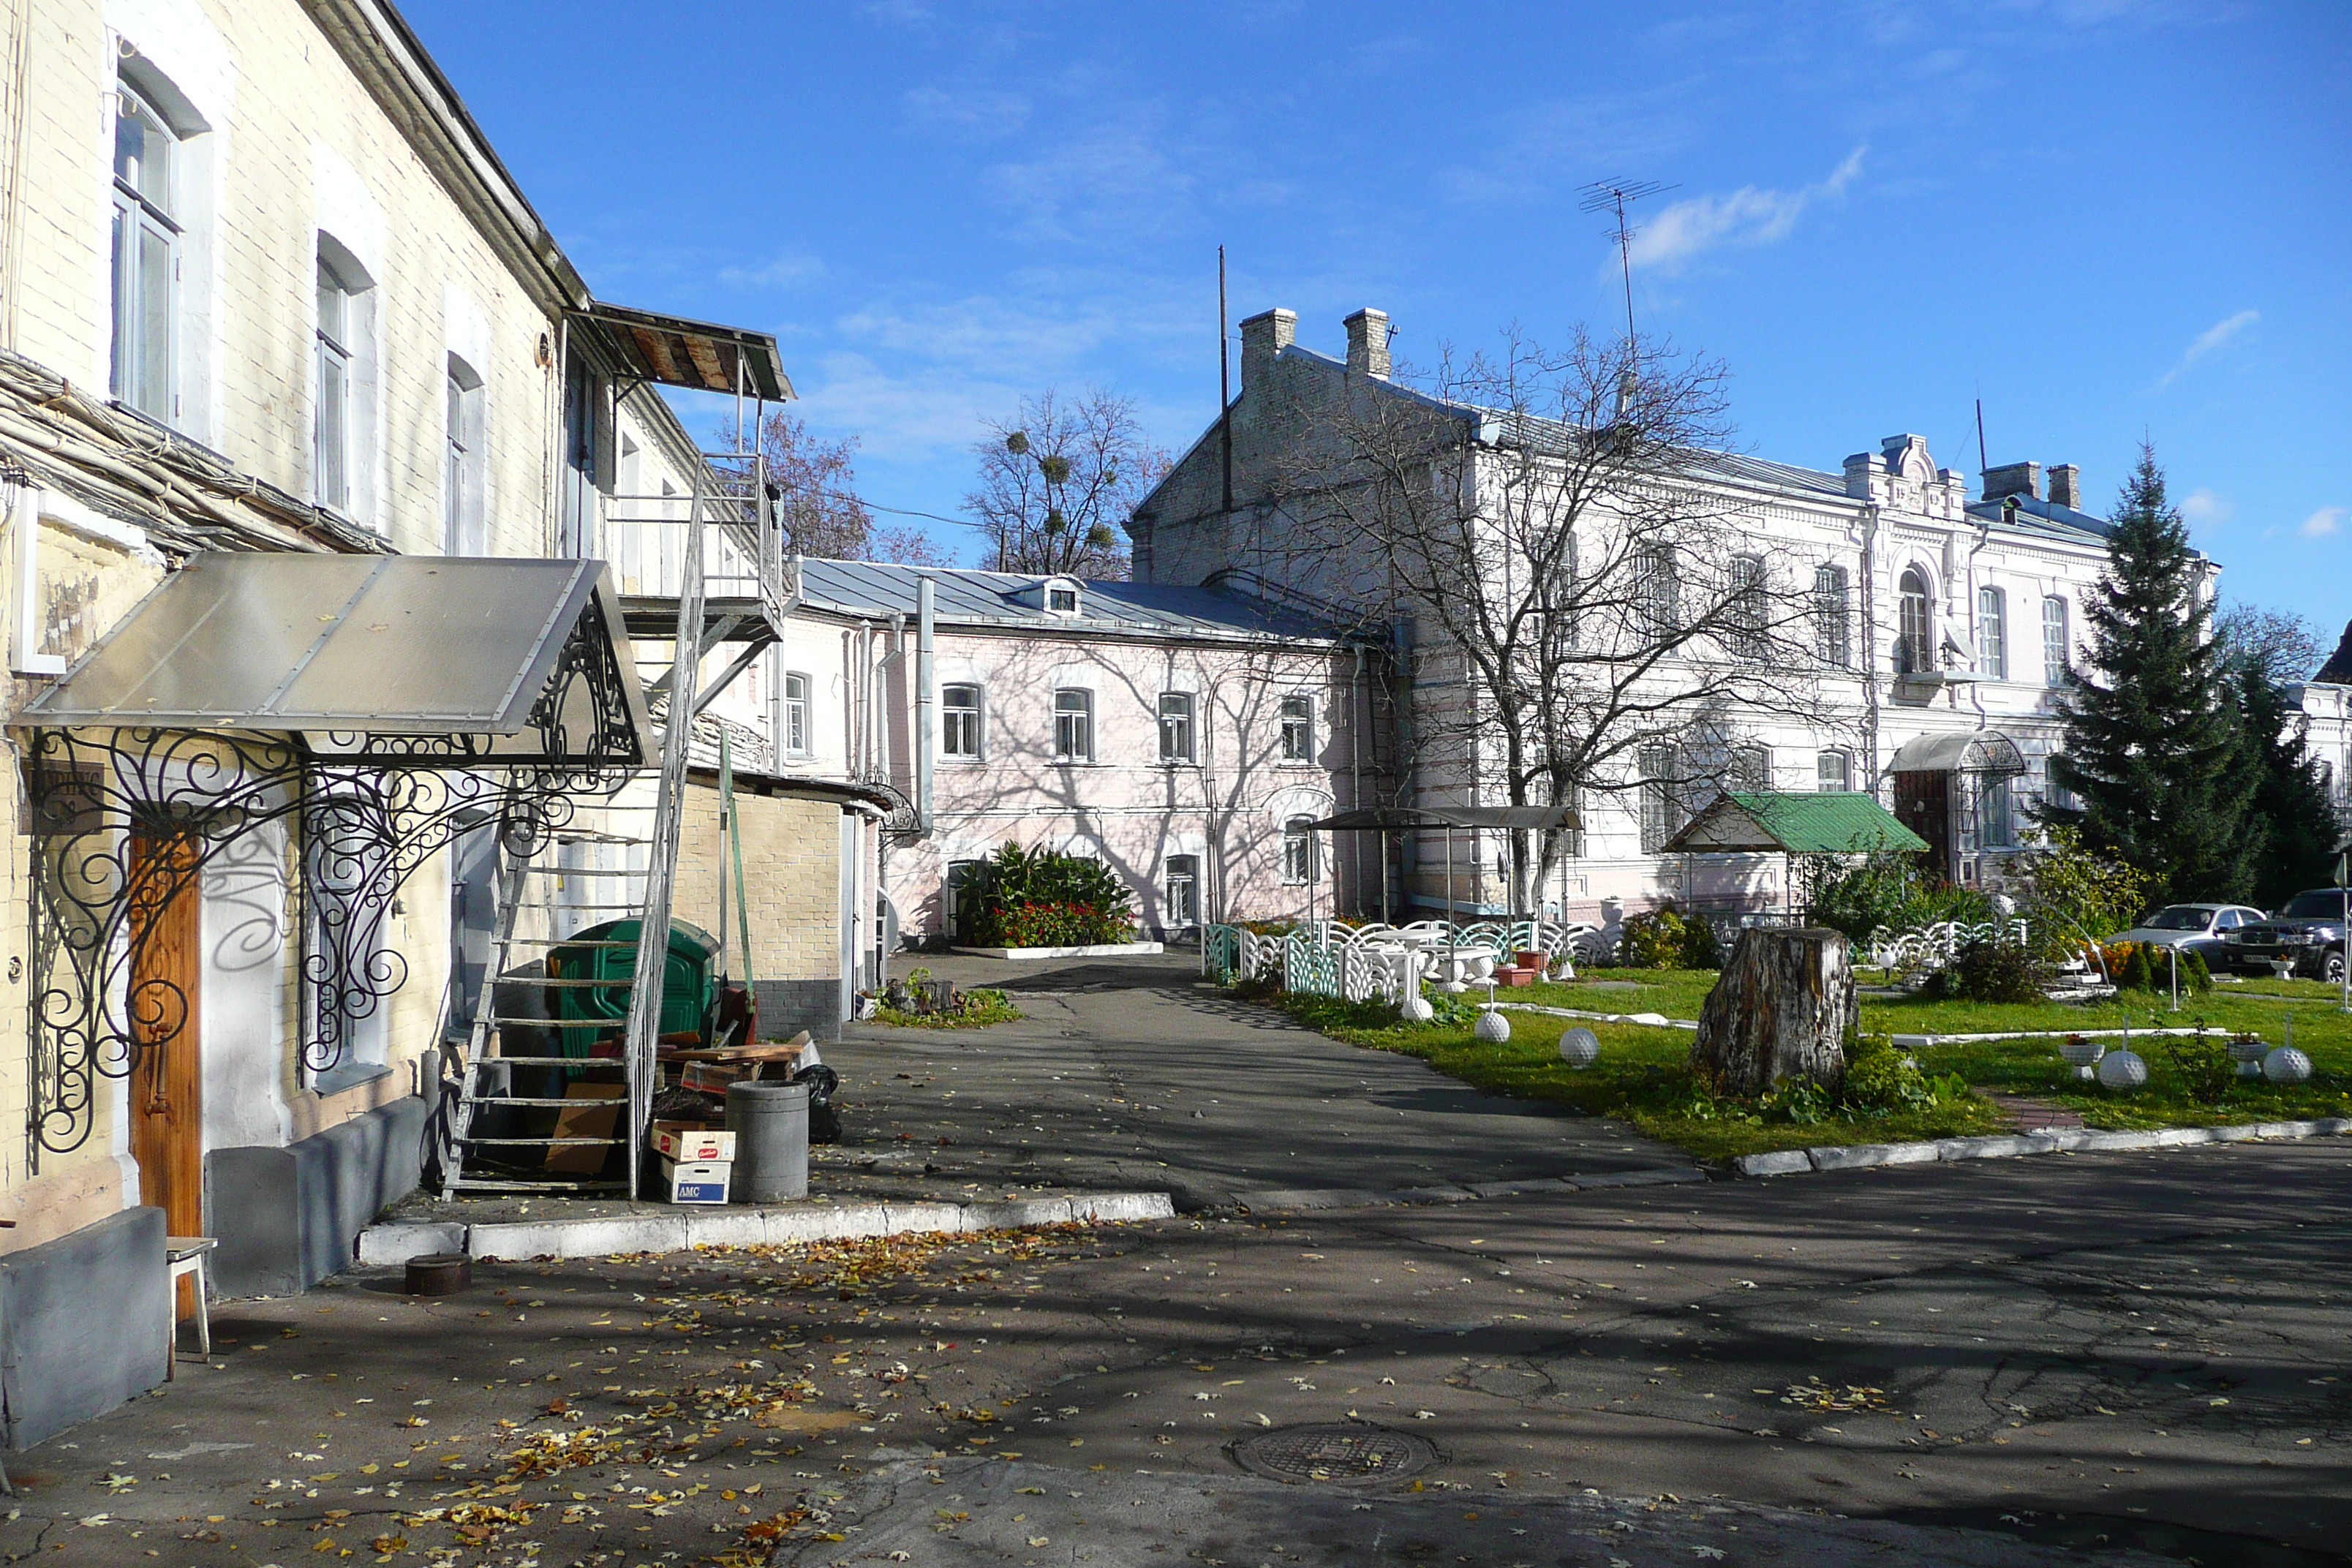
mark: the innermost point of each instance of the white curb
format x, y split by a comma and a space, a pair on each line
2007, 1145
384, 1244
1282, 1200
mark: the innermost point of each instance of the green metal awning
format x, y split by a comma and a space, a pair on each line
1772, 822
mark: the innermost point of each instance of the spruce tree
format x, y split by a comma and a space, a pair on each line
2152, 747
2292, 832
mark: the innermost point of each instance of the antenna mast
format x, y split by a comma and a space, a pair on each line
1615, 196
1224, 381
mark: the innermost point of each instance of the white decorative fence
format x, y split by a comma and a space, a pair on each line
1359, 963
1933, 947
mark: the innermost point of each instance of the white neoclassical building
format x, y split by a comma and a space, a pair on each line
1947, 621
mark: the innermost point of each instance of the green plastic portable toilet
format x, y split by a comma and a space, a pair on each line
690, 981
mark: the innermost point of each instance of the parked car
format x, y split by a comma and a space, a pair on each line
2309, 928
2204, 930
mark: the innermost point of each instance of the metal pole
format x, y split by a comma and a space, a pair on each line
1224, 382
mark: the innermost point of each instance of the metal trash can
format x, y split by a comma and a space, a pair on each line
771, 1123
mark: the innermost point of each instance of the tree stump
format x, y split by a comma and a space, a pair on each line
1782, 1009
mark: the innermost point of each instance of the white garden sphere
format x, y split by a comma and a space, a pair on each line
2286, 1065
1417, 1010
1492, 1027
2123, 1070
1579, 1047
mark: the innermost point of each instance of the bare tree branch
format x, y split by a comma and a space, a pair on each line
1059, 481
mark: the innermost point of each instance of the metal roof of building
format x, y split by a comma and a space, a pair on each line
1756, 822
2046, 519
962, 595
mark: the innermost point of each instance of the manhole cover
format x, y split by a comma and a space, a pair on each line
1333, 1452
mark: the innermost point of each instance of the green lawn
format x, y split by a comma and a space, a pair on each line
1643, 1074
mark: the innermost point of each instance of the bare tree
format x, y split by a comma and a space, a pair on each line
1058, 483
816, 482
2284, 646
1555, 528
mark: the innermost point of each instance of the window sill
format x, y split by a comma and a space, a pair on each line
346, 1076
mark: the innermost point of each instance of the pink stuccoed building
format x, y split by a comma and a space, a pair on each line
1182, 735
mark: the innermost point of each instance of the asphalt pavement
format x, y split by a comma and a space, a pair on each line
1992, 1361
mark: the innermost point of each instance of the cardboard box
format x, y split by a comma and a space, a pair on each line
598, 1110
716, 1077
689, 1142
696, 1181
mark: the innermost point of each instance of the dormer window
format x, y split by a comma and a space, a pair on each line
1061, 598
1055, 595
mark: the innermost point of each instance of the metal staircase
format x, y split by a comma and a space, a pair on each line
536, 909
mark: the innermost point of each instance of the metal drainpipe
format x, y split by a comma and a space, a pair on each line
1355, 776
1869, 647
925, 595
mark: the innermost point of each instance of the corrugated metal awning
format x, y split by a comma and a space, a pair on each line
1986, 751
413, 659
676, 351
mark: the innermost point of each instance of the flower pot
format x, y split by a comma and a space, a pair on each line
2247, 1051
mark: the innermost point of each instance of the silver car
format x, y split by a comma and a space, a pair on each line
2200, 928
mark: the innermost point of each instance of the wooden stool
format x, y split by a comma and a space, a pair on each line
184, 1255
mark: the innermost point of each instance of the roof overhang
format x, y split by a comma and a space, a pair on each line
390, 660
1984, 751
1397, 818
677, 351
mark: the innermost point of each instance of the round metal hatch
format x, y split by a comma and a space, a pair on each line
1336, 1452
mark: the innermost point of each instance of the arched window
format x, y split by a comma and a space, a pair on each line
1299, 850
1913, 653
1833, 773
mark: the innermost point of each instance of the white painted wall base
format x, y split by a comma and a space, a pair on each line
1110, 950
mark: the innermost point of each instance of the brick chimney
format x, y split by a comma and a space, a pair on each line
1264, 335
2014, 480
1367, 342
2066, 485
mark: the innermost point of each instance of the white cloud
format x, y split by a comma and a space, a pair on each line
1746, 217
2325, 521
2211, 338
987, 112
2206, 510
786, 271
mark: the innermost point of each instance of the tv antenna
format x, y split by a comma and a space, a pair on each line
1614, 196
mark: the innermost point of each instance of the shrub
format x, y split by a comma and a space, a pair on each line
1886, 893
1986, 971
1654, 939
2070, 895
1019, 898
2203, 1062
2137, 974
1878, 1078
1700, 949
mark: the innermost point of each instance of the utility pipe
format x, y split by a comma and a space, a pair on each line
925, 608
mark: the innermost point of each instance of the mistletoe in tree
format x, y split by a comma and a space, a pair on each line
1058, 483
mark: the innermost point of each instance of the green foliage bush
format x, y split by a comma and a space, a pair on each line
1020, 898
2071, 896
1987, 970
1700, 948
1886, 892
2138, 974
1654, 939
1878, 1078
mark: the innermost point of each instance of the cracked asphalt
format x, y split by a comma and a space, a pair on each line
1995, 1362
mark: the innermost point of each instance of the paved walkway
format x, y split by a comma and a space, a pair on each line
1135, 1074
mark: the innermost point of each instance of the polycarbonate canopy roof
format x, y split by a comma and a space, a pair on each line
375, 645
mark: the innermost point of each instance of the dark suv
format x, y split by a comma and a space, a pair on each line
2308, 929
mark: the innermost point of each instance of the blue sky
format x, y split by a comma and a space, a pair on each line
2106, 218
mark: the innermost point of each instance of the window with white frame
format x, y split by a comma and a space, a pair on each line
1183, 906
1914, 650
146, 235
1298, 851
1299, 729
1744, 610
1659, 589
1176, 727
1660, 818
338, 431
1833, 773
464, 520
960, 721
2057, 646
1074, 725
1751, 768
2000, 813
1833, 616
1992, 634
793, 731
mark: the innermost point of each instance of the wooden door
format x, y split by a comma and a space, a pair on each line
166, 1084
1923, 803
